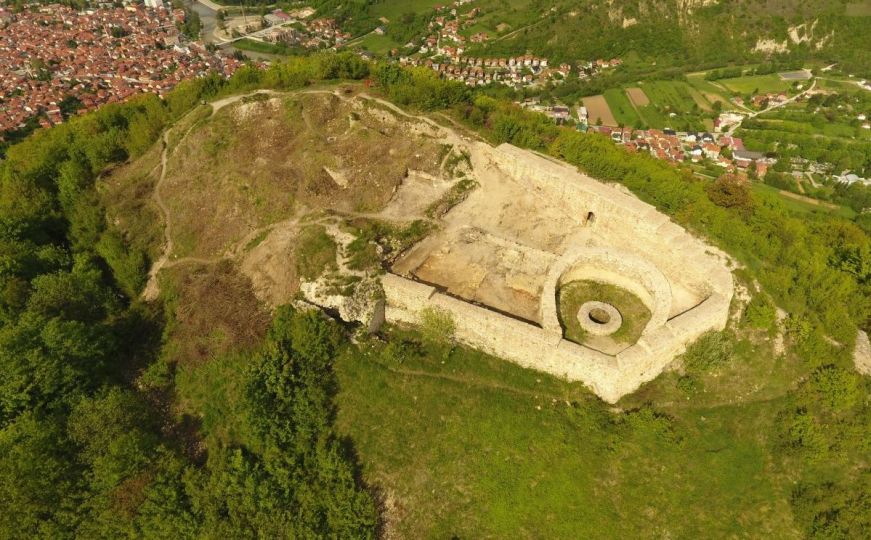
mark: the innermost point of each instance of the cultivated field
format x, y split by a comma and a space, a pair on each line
598, 109
660, 104
700, 99
638, 97
624, 111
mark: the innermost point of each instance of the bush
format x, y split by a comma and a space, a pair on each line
437, 326
731, 191
833, 387
761, 312
710, 351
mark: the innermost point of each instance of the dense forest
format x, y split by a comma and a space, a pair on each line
89, 449
86, 448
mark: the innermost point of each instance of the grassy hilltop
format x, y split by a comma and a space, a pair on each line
204, 413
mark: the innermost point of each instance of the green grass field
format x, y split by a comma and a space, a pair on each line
674, 95
392, 10
266, 48
709, 89
376, 44
834, 84
756, 83
572, 296
468, 446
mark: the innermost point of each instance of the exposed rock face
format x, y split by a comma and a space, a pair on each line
365, 304
795, 35
770, 46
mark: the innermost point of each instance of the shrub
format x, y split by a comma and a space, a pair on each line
437, 326
760, 312
712, 350
731, 191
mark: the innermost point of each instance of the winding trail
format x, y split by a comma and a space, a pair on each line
152, 287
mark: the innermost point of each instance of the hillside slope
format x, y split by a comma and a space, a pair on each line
669, 32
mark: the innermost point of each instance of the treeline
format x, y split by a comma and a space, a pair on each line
769, 137
761, 69
86, 449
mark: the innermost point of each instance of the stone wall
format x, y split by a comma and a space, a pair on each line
670, 247
658, 248
620, 268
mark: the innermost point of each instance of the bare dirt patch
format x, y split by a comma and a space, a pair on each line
271, 265
598, 109
479, 267
638, 97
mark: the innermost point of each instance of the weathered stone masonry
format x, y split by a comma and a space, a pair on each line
642, 251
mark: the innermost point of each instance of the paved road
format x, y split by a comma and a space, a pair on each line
211, 5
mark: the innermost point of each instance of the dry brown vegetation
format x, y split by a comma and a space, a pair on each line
260, 161
213, 311
598, 109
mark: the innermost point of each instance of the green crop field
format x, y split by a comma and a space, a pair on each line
673, 95
392, 10
710, 89
666, 97
621, 107
803, 206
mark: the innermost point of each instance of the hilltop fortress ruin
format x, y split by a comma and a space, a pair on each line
535, 224
533, 261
